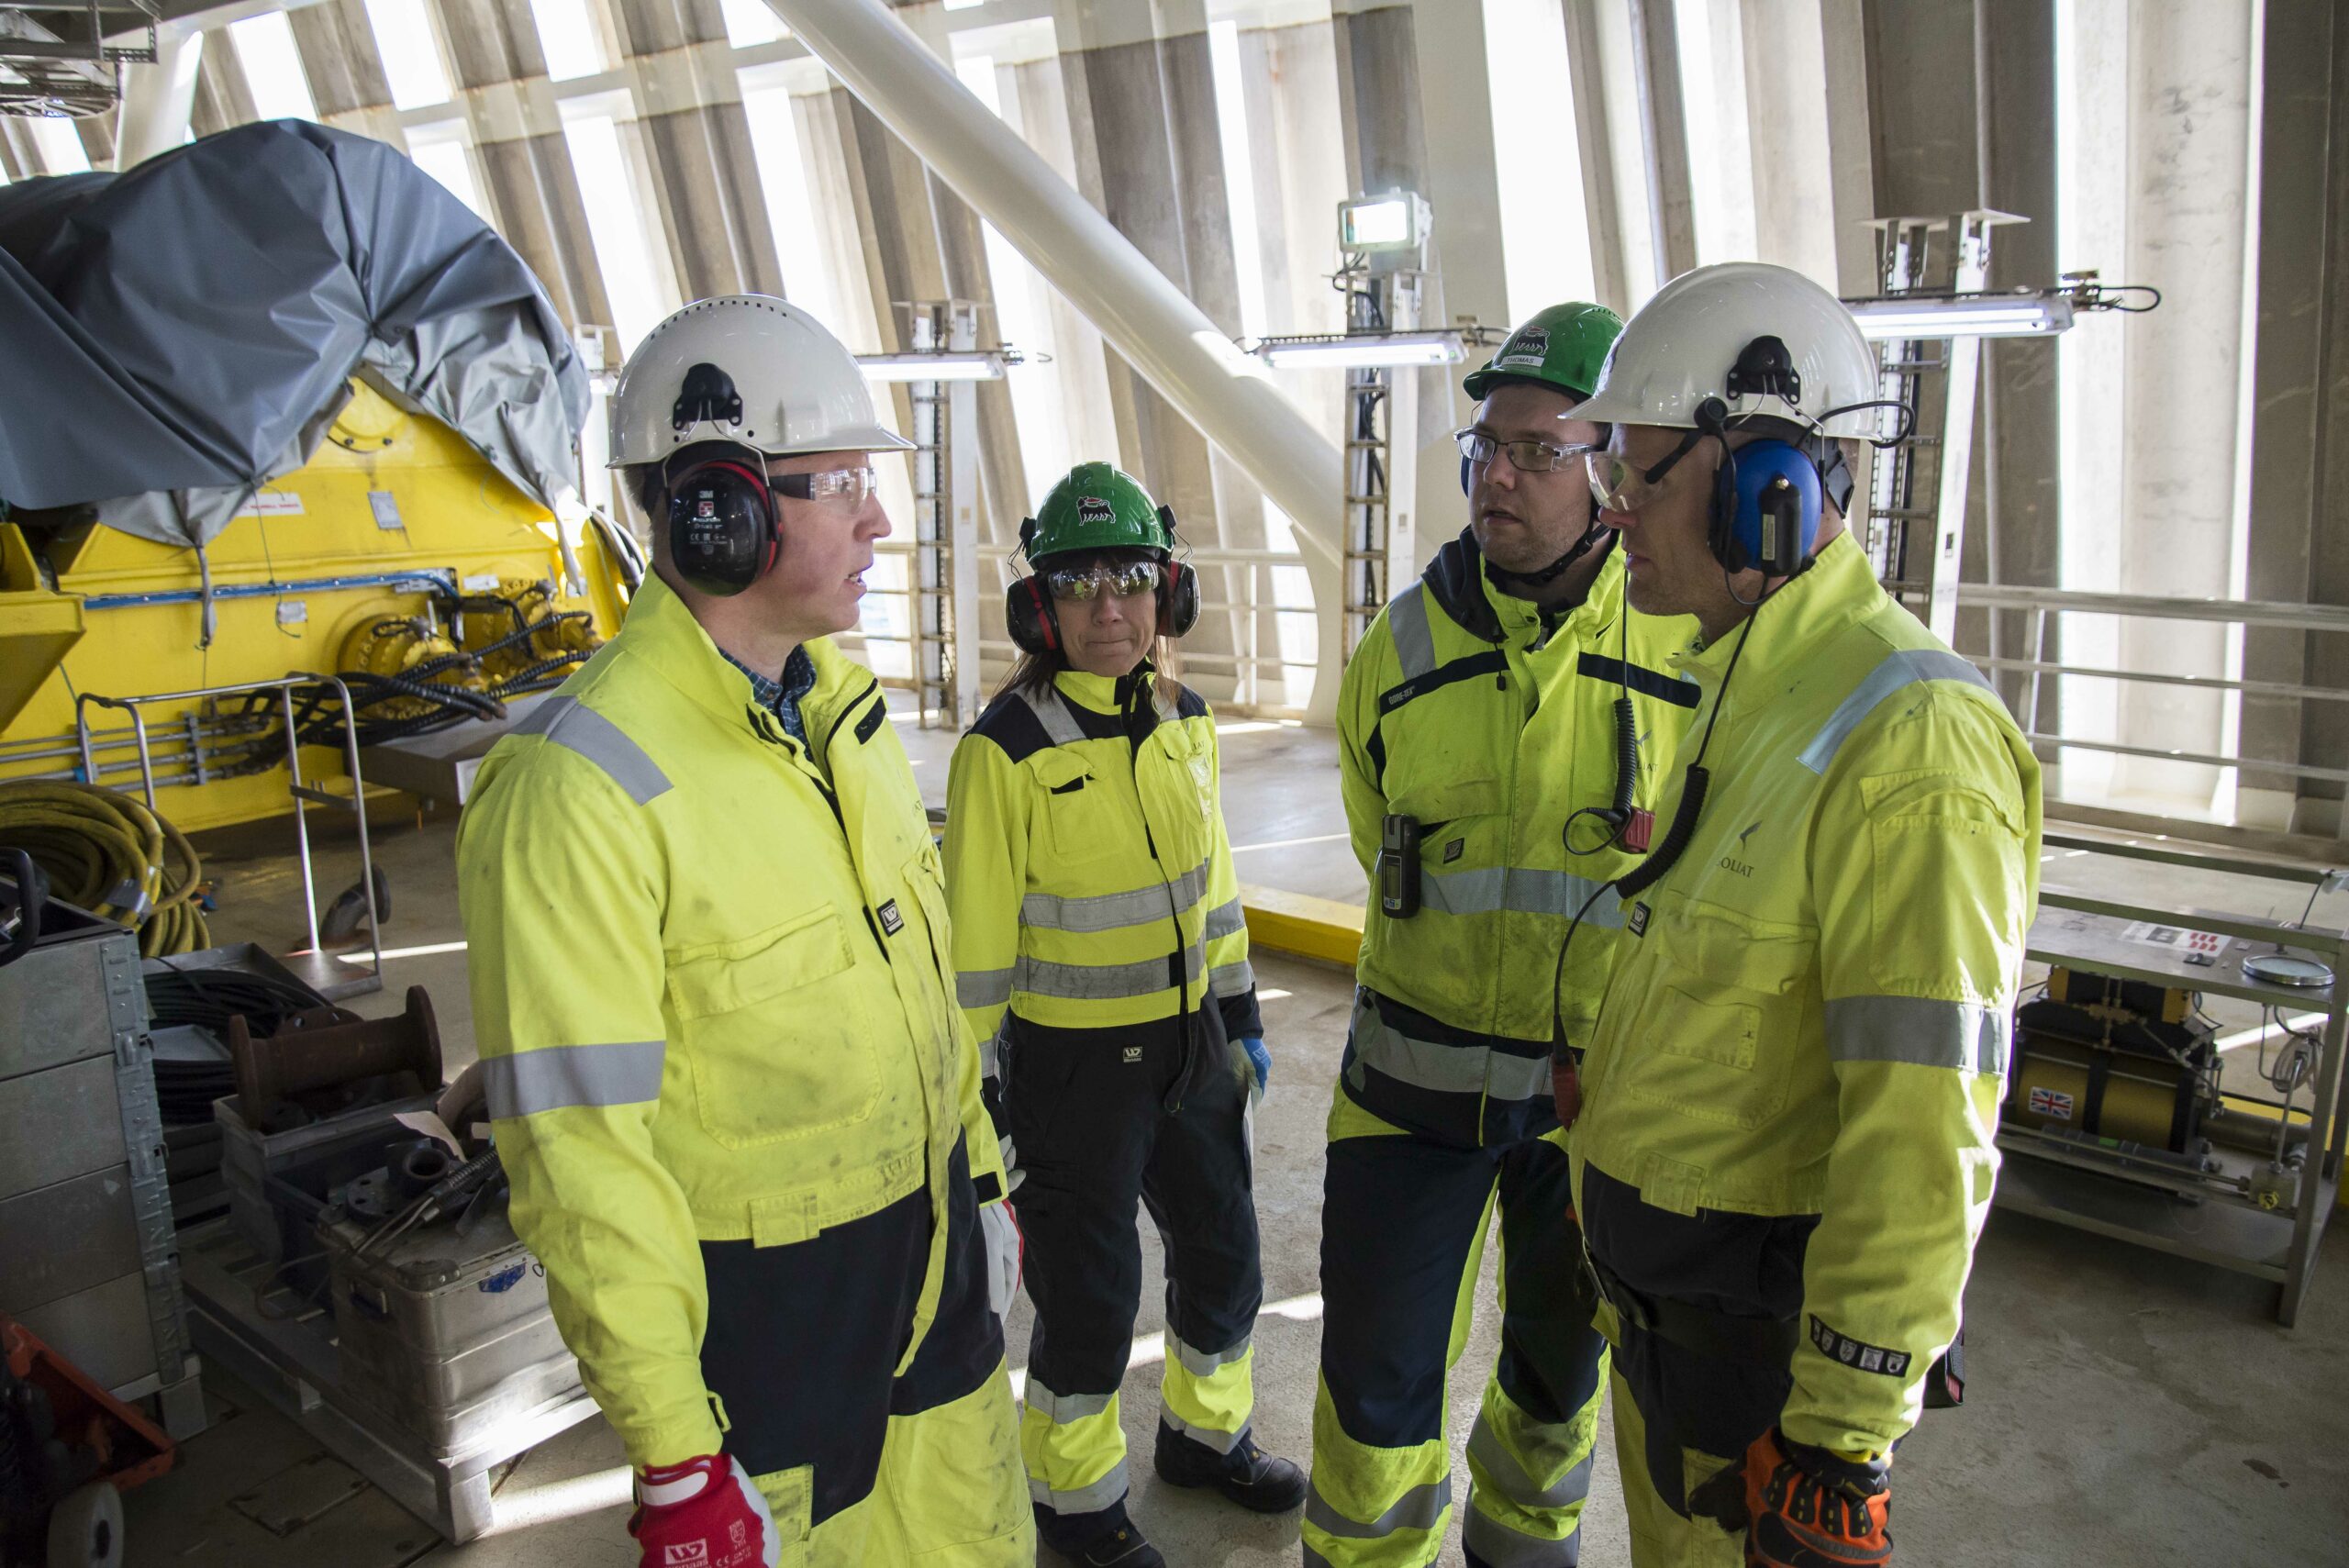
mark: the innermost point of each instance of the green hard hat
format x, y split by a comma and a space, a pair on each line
1095, 507
1562, 347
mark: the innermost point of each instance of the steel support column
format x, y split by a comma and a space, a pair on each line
502, 84
223, 97
345, 69
1146, 317
2020, 510
1664, 129
689, 112
158, 99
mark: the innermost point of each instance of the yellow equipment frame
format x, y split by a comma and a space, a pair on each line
392, 502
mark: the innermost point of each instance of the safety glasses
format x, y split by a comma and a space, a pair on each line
1083, 586
1527, 456
1620, 485
844, 487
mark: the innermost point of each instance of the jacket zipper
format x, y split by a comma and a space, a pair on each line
824, 788
1174, 1099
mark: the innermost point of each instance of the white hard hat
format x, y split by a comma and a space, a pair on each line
764, 373
1684, 347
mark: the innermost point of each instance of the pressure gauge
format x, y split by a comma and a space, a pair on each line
2286, 969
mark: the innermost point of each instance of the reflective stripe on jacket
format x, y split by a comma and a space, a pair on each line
1491, 723
1810, 1015
1086, 848
711, 991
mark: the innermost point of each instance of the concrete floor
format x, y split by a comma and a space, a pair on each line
2124, 1407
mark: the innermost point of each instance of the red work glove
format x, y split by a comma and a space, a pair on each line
703, 1514
1803, 1507
1565, 1086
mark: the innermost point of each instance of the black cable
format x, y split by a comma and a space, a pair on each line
1617, 813
1696, 783
209, 997
1648, 873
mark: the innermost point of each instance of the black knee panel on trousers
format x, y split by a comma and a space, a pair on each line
1550, 1349
1743, 1265
1399, 1222
804, 1340
1105, 1119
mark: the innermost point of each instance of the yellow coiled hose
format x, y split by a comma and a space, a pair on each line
107, 853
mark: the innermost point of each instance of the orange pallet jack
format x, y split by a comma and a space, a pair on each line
67, 1452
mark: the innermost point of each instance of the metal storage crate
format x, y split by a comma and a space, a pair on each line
87, 1257
278, 1181
449, 1335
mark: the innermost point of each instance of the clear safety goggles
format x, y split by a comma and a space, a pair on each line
845, 487
1618, 484
1083, 585
1527, 456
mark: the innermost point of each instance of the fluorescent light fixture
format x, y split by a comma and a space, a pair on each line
1393, 220
972, 365
1967, 315
1360, 351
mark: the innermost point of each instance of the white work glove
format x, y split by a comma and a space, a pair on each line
465, 1101
1259, 1065
1001, 1231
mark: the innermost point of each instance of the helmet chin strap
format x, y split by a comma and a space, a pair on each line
1542, 576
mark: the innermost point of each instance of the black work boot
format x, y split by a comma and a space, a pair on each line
1109, 1541
1249, 1476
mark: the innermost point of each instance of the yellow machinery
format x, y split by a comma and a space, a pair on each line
2106, 1058
397, 552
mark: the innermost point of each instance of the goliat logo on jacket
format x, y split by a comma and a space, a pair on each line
1731, 862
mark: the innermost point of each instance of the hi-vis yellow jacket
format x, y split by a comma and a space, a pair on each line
710, 986
1080, 863
1491, 723
1809, 1016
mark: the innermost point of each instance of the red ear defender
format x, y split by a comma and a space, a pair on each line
1045, 618
1028, 617
1179, 600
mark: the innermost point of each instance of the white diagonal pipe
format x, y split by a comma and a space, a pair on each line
1145, 318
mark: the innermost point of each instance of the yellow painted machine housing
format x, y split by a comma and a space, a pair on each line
449, 511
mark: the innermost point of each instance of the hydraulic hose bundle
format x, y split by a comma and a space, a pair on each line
447, 689
106, 852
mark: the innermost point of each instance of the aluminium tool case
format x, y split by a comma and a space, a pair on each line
447, 1334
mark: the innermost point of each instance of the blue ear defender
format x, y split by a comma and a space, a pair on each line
1766, 506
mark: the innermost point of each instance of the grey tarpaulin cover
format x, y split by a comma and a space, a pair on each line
173, 337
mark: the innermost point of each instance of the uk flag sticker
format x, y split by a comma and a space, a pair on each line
2050, 1103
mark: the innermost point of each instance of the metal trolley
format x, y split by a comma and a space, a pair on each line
2227, 1214
314, 968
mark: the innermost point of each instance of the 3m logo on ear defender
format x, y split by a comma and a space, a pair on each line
1530, 346
1093, 510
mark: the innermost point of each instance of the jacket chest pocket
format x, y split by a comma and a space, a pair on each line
1084, 822
1721, 1021
1463, 823
1176, 782
776, 1032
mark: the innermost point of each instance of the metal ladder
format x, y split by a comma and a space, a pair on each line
1376, 396
1917, 495
939, 680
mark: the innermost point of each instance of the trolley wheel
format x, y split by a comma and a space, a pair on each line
85, 1529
